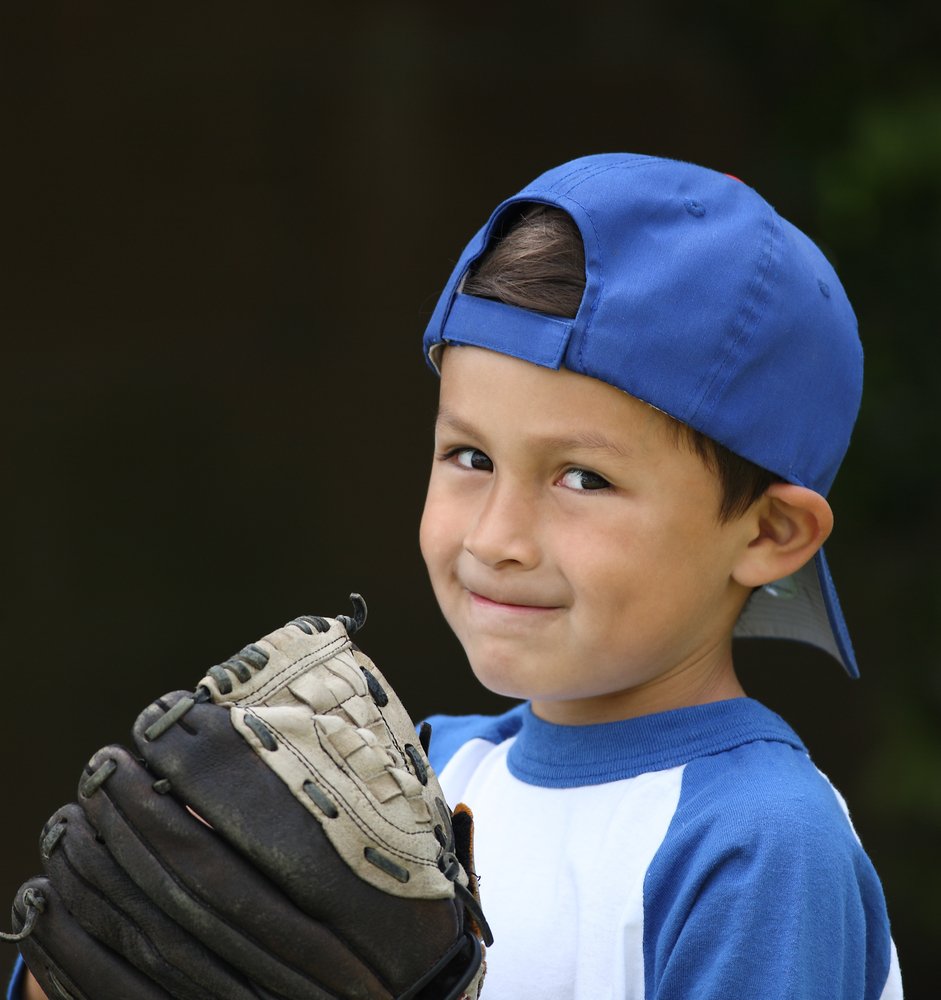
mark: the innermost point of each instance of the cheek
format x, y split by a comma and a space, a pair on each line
436, 531
622, 563
426, 535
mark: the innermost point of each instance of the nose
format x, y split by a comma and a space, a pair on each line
504, 532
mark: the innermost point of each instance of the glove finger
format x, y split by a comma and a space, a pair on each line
209, 893
118, 914
70, 964
213, 769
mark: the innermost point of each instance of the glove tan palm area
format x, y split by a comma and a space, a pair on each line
326, 867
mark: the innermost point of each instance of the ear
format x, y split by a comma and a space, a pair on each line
789, 523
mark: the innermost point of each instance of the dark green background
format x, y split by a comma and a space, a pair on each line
223, 226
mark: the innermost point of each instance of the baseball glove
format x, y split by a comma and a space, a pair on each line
279, 833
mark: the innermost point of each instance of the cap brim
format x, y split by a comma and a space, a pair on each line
803, 607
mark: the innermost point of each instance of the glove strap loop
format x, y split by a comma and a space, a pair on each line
358, 620
35, 903
473, 908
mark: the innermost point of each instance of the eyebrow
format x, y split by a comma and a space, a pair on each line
587, 440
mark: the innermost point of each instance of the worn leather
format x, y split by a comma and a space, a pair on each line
198, 867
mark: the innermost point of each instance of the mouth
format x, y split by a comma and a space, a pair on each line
510, 607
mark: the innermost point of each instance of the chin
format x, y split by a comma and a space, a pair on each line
501, 678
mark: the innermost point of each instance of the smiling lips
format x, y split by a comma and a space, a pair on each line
486, 602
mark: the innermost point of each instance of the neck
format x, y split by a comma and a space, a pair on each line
705, 679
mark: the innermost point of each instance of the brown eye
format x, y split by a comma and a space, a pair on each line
583, 479
473, 458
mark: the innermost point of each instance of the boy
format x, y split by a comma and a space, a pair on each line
648, 382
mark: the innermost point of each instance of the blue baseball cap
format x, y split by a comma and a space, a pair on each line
703, 302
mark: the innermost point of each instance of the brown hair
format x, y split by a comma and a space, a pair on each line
538, 263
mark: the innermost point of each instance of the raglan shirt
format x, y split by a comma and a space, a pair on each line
696, 853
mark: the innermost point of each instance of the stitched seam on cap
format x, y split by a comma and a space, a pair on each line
595, 170
641, 161
750, 303
575, 177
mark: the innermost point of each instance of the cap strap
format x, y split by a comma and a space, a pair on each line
521, 333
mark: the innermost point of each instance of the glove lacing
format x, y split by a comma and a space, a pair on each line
35, 903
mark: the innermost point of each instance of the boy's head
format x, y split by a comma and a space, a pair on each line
684, 289
538, 263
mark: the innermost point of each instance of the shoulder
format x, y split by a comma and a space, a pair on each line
761, 845
763, 811
451, 732
767, 793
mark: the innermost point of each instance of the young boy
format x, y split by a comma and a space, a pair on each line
648, 382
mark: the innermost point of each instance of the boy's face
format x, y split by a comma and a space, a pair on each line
573, 544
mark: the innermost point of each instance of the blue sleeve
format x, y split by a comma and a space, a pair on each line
761, 889
15, 989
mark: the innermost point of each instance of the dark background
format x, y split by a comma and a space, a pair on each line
223, 227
